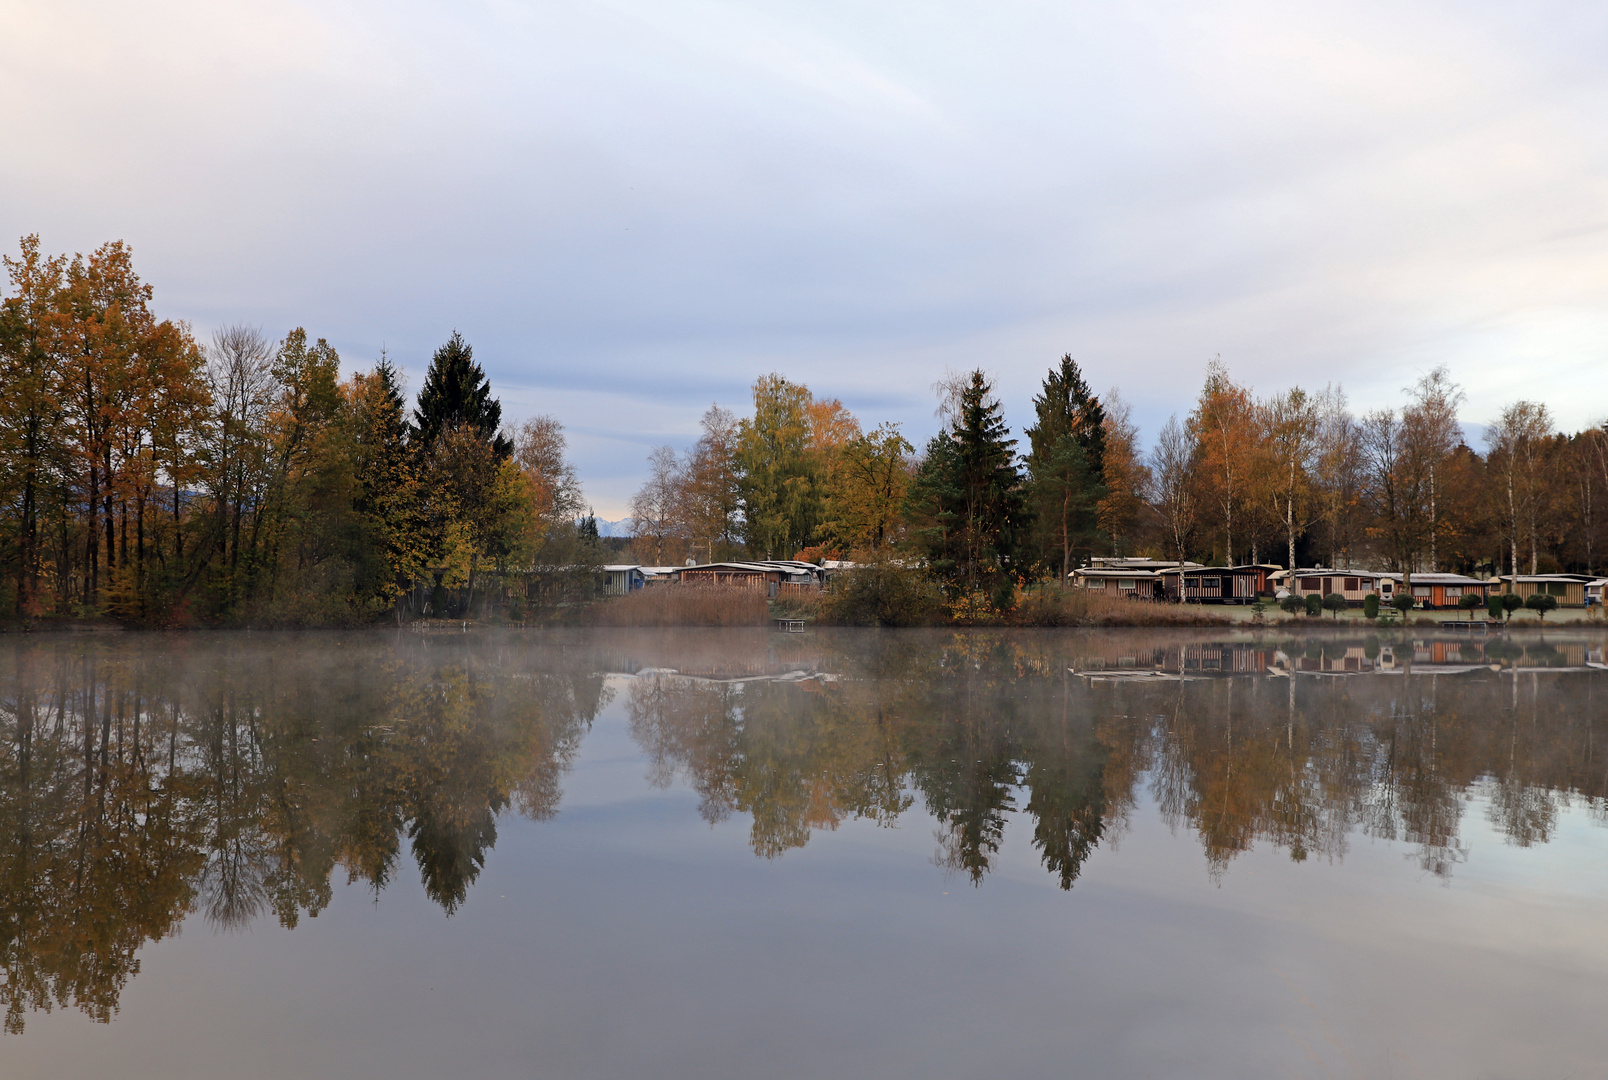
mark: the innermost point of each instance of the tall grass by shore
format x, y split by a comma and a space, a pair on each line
683, 605
1080, 607
888, 596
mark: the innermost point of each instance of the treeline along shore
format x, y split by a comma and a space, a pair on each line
150, 479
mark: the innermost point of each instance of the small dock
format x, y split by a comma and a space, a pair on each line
1466, 624
790, 626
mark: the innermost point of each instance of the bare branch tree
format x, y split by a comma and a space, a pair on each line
1172, 467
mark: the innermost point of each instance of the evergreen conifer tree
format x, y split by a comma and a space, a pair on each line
1066, 407
967, 504
1066, 463
456, 392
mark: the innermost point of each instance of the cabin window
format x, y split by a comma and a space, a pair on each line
1555, 588
1211, 583
1095, 583
1311, 584
1127, 585
1453, 592
1352, 584
1421, 590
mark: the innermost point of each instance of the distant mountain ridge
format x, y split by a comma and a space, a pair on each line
614, 528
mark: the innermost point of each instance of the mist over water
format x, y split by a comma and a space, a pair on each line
742, 853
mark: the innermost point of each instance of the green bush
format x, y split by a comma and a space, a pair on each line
1292, 605
1336, 603
1541, 603
1314, 605
1493, 606
1470, 601
1370, 606
1402, 602
884, 594
1511, 602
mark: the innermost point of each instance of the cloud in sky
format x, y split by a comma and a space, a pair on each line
633, 207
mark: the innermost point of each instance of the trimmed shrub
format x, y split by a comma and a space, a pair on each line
1511, 602
1336, 603
1541, 603
1370, 606
1470, 601
1493, 606
1402, 602
1292, 605
1314, 606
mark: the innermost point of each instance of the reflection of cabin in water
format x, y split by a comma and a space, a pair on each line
1332, 660
1176, 662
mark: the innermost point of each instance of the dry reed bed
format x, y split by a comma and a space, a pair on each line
1076, 607
683, 605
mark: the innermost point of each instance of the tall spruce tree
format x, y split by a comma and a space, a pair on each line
1066, 464
456, 392
1066, 407
967, 505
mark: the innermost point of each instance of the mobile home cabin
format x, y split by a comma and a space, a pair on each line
1134, 584
768, 575
1432, 591
1568, 589
1214, 584
1354, 585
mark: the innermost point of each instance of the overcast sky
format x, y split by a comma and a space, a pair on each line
631, 208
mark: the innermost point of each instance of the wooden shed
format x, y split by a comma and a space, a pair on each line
620, 579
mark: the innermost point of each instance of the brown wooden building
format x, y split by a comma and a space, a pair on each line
1568, 589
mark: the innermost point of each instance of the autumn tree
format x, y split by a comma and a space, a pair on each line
1224, 429
1518, 443
34, 464
1291, 423
1126, 478
711, 497
1337, 475
388, 494
656, 511
869, 481
1430, 434
1396, 490
779, 469
1172, 470
241, 379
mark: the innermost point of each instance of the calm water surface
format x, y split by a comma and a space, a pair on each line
723, 854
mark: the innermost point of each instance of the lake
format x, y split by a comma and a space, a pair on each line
840, 853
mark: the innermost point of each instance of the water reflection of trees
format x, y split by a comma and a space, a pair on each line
139, 785
234, 778
980, 728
